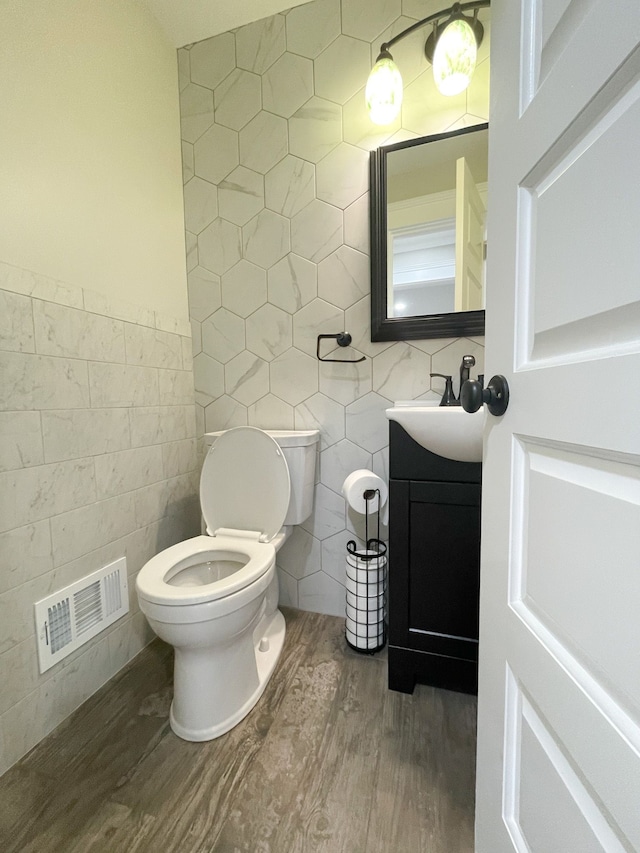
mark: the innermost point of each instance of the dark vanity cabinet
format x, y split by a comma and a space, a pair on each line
434, 567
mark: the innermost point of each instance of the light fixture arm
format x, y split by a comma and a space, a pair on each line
457, 8
451, 48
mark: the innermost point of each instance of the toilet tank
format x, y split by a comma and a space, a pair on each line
299, 448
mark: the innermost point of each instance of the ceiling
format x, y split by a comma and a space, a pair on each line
188, 21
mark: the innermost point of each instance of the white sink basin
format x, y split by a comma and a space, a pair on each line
448, 431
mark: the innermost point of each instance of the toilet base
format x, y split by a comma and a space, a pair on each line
263, 646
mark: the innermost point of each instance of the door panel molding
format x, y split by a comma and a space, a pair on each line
534, 742
565, 180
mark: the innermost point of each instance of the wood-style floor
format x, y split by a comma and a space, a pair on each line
329, 760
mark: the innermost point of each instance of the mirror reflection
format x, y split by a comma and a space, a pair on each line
436, 214
429, 199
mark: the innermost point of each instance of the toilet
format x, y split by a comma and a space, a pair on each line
214, 597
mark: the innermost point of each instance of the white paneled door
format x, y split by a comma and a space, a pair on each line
559, 699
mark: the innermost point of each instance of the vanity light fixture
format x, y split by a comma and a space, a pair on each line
451, 48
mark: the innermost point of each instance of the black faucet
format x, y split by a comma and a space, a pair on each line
465, 366
448, 398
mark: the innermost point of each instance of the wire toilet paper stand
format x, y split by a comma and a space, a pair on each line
365, 628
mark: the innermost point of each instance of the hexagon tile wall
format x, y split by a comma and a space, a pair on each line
275, 153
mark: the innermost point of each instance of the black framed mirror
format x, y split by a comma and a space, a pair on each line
428, 244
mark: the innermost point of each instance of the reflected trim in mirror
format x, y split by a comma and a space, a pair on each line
383, 327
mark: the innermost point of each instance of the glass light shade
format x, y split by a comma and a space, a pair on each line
383, 94
454, 58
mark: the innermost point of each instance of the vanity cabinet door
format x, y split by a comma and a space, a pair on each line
444, 559
434, 558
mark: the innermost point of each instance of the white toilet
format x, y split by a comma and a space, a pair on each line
215, 597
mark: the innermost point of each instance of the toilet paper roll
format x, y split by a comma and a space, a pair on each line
355, 486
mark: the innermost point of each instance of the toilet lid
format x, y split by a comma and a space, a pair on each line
245, 483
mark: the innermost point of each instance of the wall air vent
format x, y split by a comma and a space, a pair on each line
70, 617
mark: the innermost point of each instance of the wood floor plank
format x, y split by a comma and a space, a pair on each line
23, 796
97, 746
77, 743
338, 785
328, 761
424, 788
272, 788
112, 829
64, 815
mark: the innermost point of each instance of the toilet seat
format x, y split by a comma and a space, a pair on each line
153, 581
244, 496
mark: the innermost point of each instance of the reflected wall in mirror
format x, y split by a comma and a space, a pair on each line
428, 238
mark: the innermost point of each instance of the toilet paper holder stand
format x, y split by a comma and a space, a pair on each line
365, 628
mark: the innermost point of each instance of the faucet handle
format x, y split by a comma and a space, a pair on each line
448, 398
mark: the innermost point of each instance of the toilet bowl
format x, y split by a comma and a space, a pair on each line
214, 597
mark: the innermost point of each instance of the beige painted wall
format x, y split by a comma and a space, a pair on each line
90, 175
98, 453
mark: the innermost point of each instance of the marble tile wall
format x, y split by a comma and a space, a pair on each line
98, 460
276, 145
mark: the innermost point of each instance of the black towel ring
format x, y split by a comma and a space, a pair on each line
343, 340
